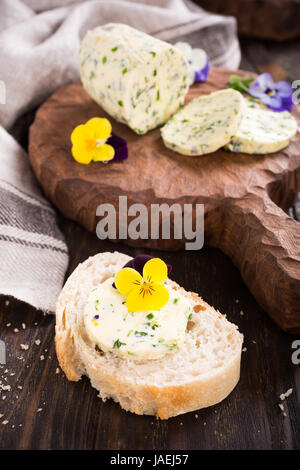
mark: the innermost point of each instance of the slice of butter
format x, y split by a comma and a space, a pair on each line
139, 335
205, 124
136, 78
262, 130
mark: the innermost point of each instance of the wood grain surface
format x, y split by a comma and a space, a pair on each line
72, 416
263, 19
241, 193
49, 412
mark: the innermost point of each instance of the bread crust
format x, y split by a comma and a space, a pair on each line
163, 400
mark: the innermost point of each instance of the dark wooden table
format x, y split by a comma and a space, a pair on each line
45, 411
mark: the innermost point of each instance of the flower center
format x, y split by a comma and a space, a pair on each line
90, 144
100, 142
146, 288
270, 92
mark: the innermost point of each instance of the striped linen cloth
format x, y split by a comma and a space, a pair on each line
39, 42
33, 254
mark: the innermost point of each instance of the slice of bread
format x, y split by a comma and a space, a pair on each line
202, 373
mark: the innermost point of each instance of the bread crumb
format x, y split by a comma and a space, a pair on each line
37, 342
181, 424
24, 346
42, 357
281, 406
236, 301
39, 410
1, 416
7, 303
16, 330
196, 416
283, 396
23, 326
57, 370
254, 342
5, 422
244, 349
241, 313
20, 387
8, 324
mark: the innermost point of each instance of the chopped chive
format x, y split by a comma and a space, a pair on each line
104, 60
120, 103
118, 344
114, 49
150, 316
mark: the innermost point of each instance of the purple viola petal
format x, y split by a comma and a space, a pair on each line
283, 89
272, 101
265, 82
139, 262
256, 91
287, 103
276, 95
202, 75
120, 146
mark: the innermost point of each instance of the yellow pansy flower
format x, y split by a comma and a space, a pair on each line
89, 141
145, 292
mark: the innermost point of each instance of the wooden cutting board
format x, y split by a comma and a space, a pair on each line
243, 194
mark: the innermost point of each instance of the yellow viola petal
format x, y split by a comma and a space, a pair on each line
155, 270
81, 155
100, 128
127, 279
139, 300
80, 134
103, 153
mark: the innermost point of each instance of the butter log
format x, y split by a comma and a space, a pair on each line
137, 79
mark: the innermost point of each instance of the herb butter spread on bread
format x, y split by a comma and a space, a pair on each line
262, 130
199, 373
137, 335
205, 124
137, 79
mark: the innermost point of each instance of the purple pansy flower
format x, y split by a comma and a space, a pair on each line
276, 95
202, 75
120, 146
198, 62
139, 262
